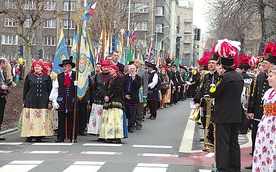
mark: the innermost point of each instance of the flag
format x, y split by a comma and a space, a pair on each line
129, 55
150, 53
89, 10
114, 42
75, 42
60, 55
101, 49
133, 34
176, 61
92, 63
85, 64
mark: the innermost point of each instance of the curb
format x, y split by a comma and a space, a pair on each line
8, 131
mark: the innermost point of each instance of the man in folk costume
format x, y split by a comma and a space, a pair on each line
143, 93
98, 93
194, 80
202, 98
63, 98
152, 90
227, 115
255, 110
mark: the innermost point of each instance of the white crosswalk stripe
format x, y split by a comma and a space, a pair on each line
147, 167
100, 153
152, 146
20, 166
91, 166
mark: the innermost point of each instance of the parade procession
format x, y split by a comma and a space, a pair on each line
137, 86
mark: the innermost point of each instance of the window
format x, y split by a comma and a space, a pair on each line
65, 24
141, 8
10, 4
50, 41
9, 40
159, 11
159, 28
70, 41
52, 23
50, 5
66, 6
142, 26
27, 23
29, 5
9, 22
187, 37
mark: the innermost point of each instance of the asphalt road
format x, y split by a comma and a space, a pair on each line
168, 144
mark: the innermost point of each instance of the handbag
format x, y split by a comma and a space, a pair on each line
195, 115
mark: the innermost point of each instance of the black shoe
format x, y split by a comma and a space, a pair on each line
152, 118
83, 133
29, 139
201, 140
138, 127
59, 140
248, 167
38, 139
149, 117
131, 130
2, 138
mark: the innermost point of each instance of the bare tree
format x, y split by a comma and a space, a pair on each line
28, 15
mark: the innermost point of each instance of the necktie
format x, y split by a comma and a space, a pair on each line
67, 81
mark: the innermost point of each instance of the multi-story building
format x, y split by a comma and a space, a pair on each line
186, 30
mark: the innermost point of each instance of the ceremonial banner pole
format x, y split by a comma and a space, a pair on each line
77, 19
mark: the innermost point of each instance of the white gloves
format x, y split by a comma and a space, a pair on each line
55, 104
75, 83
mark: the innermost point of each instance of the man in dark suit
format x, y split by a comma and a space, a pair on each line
63, 98
115, 59
3, 90
227, 115
255, 110
143, 93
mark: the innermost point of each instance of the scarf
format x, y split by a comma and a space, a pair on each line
67, 81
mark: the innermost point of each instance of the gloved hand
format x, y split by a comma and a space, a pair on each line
55, 104
75, 83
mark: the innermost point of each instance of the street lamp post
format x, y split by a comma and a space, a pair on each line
156, 34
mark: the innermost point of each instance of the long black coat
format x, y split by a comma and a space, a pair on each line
256, 104
228, 98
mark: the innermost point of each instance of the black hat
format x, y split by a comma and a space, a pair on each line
64, 62
151, 65
214, 57
227, 61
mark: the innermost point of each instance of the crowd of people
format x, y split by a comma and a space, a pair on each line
235, 94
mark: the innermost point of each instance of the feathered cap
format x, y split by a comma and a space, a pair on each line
203, 61
227, 50
270, 53
244, 62
213, 55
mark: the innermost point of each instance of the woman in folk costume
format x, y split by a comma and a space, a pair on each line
112, 119
264, 158
164, 87
37, 115
98, 98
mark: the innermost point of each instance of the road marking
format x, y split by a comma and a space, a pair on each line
146, 167
20, 166
52, 144
202, 170
44, 152
2, 151
99, 144
100, 153
91, 166
11, 143
188, 136
159, 155
152, 146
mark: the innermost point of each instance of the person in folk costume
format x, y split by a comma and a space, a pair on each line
208, 63
143, 93
182, 84
255, 110
98, 94
132, 85
227, 115
37, 115
243, 68
63, 97
264, 157
112, 129
152, 91
176, 81
164, 88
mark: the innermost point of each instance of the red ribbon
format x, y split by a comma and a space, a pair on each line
67, 81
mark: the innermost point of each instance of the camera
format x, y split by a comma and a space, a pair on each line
11, 83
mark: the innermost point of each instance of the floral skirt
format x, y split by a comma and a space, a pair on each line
55, 119
93, 126
37, 122
264, 158
167, 97
112, 124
